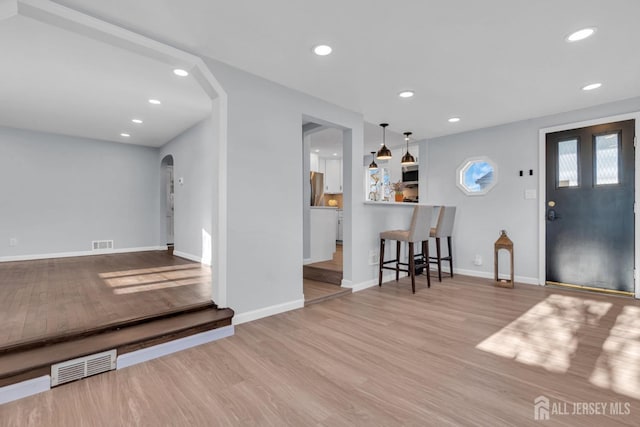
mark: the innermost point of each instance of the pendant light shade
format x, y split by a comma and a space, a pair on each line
407, 159
373, 164
383, 153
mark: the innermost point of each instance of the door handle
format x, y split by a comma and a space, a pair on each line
552, 215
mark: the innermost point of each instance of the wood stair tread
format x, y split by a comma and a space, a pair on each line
77, 334
321, 274
128, 338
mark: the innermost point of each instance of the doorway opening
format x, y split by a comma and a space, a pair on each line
324, 211
588, 190
167, 210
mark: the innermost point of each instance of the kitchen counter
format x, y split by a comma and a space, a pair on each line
324, 207
394, 203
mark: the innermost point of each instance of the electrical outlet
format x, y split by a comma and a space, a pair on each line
13, 241
373, 257
477, 260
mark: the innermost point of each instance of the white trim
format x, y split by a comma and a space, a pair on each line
489, 275
190, 257
357, 287
80, 253
150, 353
542, 186
27, 388
250, 316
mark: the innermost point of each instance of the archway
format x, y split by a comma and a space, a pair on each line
167, 202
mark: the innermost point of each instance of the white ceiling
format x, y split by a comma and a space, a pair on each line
325, 141
57, 81
489, 62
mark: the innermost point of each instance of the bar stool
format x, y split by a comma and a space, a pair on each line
443, 228
417, 232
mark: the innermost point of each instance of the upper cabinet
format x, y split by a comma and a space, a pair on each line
333, 176
314, 166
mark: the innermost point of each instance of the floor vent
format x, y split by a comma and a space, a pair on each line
82, 367
100, 245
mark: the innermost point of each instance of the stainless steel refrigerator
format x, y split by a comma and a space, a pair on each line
317, 189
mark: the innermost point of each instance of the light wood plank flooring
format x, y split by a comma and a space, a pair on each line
315, 292
461, 353
50, 297
334, 264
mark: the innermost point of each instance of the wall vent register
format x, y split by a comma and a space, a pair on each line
82, 367
101, 245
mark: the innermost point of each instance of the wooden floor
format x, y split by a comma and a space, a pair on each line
461, 353
315, 292
334, 264
50, 297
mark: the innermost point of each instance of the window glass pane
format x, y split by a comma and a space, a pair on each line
568, 163
607, 159
477, 176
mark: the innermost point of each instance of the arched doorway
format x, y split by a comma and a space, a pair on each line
167, 202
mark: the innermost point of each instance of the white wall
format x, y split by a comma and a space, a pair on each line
265, 203
479, 219
58, 193
194, 163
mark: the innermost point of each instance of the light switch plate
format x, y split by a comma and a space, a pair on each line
530, 194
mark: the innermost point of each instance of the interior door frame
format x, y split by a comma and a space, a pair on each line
542, 204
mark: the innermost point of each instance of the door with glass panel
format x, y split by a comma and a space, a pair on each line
589, 212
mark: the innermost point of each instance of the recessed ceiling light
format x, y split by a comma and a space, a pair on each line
592, 86
154, 102
322, 50
317, 151
454, 119
406, 94
335, 154
180, 72
137, 121
125, 135
580, 34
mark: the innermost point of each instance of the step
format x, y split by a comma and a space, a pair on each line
82, 333
322, 275
22, 364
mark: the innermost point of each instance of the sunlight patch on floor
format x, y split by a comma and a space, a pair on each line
545, 335
141, 279
161, 285
618, 367
150, 270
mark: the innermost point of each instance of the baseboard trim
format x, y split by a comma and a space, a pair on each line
489, 275
250, 316
192, 257
80, 253
150, 353
23, 389
357, 287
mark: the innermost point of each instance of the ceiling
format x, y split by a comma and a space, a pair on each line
488, 62
57, 81
325, 141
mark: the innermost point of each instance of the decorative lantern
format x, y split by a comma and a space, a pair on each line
503, 242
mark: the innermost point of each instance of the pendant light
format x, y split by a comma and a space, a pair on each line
373, 164
407, 159
384, 153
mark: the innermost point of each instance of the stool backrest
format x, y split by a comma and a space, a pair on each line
446, 217
420, 223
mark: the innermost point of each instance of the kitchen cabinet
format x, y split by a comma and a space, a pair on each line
314, 163
339, 225
333, 176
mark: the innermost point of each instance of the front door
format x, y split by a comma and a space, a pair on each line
589, 212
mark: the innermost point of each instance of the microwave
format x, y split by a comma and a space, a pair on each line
410, 175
